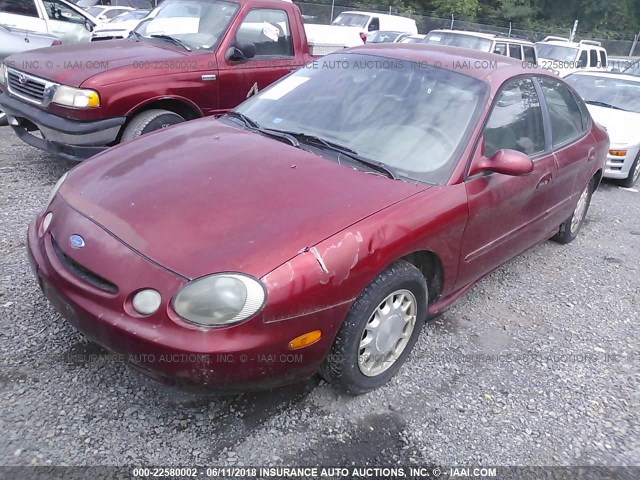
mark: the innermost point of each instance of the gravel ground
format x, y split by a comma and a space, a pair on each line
537, 365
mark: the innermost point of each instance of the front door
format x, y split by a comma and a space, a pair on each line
507, 214
269, 30
66, 23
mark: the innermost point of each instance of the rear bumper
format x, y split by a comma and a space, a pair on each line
67, 139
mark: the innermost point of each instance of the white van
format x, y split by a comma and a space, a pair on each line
565, 57
370, 22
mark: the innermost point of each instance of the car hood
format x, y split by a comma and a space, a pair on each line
76, 63
623, 127
204, 197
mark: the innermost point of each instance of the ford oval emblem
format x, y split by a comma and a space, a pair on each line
76, 241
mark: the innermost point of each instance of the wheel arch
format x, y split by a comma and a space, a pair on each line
429, 263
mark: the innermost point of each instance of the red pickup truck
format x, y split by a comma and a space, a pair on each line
191, 59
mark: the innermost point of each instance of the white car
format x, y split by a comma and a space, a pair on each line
613, 99
71, 24
121, 26
104, 14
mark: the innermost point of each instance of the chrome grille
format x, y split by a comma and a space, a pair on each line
27, 87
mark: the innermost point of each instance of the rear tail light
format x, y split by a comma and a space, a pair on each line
363, 36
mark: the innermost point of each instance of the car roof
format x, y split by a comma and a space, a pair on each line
488, 67
622, 75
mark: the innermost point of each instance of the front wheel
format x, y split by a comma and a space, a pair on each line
3, 119
379, 331
634, 174
571, 227
150, 121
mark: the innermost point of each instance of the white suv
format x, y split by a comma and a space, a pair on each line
487, 42
565, 57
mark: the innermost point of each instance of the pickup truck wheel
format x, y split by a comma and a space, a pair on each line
150, 121
571, 227
379, 331
3, 119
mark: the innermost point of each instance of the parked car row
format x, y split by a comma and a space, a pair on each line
314, 227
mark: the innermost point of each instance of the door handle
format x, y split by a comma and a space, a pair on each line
592, 155
544, 181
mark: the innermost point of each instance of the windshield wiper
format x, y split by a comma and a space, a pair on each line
346, 151
253, 125
249, 122
173, 40
605, 105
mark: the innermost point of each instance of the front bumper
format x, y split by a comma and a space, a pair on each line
250, 355
620, 167
67, 139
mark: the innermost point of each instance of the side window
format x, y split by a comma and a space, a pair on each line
515, 51
57, 10
603, 59
593, 58
582, 63
268, 30
500, 49
515, 122
529, 54
374, 25
566, 119
19, 7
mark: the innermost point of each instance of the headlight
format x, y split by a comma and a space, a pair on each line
76, 97
219, 299
55, 189
3, 74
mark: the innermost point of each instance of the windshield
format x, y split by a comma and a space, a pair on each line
556, 52
95, 11
619, 93
134, 15
382, 37
197, 24
459, 40
351, 20
411, 117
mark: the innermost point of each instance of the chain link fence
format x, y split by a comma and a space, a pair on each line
325, 13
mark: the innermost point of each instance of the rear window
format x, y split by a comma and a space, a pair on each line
452, 39
19, 7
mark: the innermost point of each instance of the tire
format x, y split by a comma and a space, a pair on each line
571, 227
3, 119
150, 121
356, 369
634, 174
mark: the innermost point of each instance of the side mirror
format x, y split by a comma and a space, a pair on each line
506, 162
88, 25
241, 52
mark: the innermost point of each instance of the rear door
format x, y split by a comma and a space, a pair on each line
507, 214
573, 146
22, 15
269, 30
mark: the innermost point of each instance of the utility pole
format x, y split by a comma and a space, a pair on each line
573, 31
452, 20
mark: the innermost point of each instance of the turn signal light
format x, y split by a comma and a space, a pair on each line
618, 153
305, 340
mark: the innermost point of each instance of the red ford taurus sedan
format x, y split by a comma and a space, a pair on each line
318, 225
